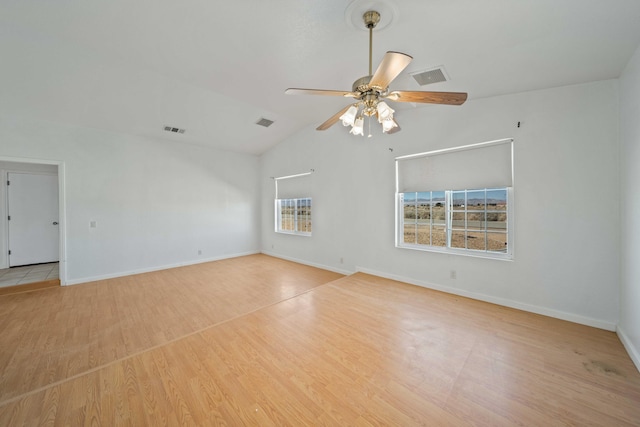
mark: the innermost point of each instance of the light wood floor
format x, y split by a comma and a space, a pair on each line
262, 341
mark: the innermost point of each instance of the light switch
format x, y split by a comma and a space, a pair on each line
92, 224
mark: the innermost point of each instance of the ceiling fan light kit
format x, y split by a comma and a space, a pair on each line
371, 90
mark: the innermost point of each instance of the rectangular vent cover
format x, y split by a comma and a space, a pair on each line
264, 122
174, 129
428, 77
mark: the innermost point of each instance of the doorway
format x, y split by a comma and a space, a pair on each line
32, 207
43, 182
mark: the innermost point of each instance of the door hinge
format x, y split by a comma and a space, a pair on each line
9, 252
9, 218
8, 182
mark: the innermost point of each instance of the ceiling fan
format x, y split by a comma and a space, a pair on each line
370, 91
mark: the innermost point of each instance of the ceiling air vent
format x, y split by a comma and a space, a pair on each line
264, 122
428, 77
174, 130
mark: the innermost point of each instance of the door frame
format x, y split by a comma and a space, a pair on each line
62, 209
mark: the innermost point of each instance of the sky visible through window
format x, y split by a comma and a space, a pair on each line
438, 196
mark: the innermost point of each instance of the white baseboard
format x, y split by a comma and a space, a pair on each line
596, 323
634, 353
311, 264
157, 268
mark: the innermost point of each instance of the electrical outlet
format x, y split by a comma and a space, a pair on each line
199, 252
453, 274
341, 260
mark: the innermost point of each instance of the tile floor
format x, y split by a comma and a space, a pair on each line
28, 274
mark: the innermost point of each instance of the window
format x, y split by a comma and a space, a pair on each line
457, 200
464, 220
293, 195
293, 216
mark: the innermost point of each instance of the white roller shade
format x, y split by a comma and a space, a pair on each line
484, 165
293, 186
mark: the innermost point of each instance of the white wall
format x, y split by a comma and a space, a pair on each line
566, 200
629, 327
156, 203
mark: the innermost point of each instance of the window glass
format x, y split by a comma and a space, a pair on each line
469, 220
293, 216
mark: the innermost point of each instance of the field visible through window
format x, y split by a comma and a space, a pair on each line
478, 219
288, 215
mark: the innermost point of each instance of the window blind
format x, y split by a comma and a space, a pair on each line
293, 186
483, 165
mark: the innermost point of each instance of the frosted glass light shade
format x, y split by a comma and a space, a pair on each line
358, 127
385, 112
387, 125
349, 117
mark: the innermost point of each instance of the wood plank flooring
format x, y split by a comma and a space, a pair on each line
261, 341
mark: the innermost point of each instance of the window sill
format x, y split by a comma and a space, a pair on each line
293, 233
464, 252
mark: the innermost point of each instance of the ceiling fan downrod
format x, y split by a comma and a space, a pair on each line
368, 99
371, 19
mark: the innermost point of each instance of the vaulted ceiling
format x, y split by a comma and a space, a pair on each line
214, 68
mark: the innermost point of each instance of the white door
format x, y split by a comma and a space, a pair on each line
33, 218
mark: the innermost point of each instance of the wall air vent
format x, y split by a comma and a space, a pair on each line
264, 122
174, 129
427, 77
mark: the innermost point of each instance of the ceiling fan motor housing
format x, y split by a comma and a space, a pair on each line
367, 95
361, 85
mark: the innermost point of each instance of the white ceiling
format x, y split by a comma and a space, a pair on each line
217, 67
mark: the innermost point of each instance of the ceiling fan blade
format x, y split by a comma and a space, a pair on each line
297, 91
333, 119
449, 98
391, 66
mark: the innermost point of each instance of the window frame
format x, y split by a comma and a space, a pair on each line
448, 226
296, 220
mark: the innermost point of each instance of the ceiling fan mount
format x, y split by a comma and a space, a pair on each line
371, 18
371, 90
